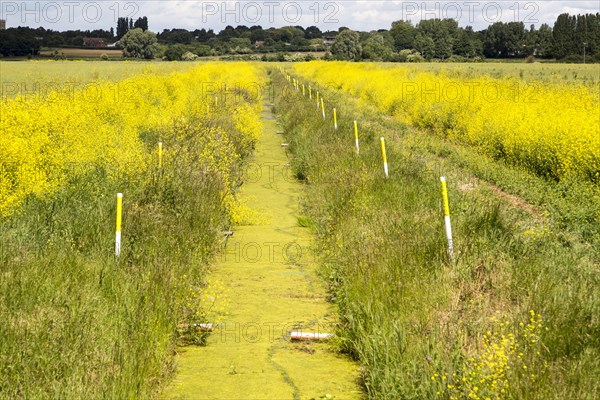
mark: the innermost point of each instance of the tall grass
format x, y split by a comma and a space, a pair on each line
421, 326
77, 322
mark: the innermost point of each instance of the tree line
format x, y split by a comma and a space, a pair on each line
568, 39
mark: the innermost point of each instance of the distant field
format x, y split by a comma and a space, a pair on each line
45, 75
82, 53
554, 72
535, 116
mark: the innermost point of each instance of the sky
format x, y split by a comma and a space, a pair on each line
363, 15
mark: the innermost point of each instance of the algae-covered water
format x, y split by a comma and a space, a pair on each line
269, 276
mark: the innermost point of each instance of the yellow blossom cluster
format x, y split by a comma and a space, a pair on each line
48, 139
509, 353
551, 129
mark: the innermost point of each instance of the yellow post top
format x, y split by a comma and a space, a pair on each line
383, 154
160, 154
119, 210
445, 203
355, 130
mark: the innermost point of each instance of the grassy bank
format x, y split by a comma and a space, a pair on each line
514, 317
79, 322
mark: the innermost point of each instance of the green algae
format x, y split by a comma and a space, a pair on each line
270, 277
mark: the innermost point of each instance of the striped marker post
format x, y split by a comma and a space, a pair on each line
318, 102
323, 107
446, 207
310, 92
335, 118
303, 90
356, 137
383, 154
119, 219
160, 155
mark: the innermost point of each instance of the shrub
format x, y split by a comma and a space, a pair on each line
189, 56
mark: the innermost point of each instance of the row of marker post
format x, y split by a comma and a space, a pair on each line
444, 188
321, 106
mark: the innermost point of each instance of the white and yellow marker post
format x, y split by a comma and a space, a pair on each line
119, 219
323, 107
303, 90
335, 118
318, 101
160, 155
384, 155
309, 92
356, 137
446, 207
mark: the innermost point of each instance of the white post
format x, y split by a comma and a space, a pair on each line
447, 218
384, 156
119, 218
335, 118
356, 137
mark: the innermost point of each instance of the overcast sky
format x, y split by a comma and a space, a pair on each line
327, 15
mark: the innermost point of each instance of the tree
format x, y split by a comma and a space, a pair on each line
122, 27
141, 23
544, 41
289, 34
202, 35
227, 33
313, 32
403, 33
240, 45
564, 35
19, 41
182, 36
347, 46
139, 44
467, 43
425, 46
375, 48
175, 52
443, 32
493, 40
514, 39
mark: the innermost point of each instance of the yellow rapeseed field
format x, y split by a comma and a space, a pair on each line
551, 129
48, 138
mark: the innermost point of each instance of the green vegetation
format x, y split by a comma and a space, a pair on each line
268, 291
347, 46
572, 38
45, 76
513, 317
79, 322
138, 43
